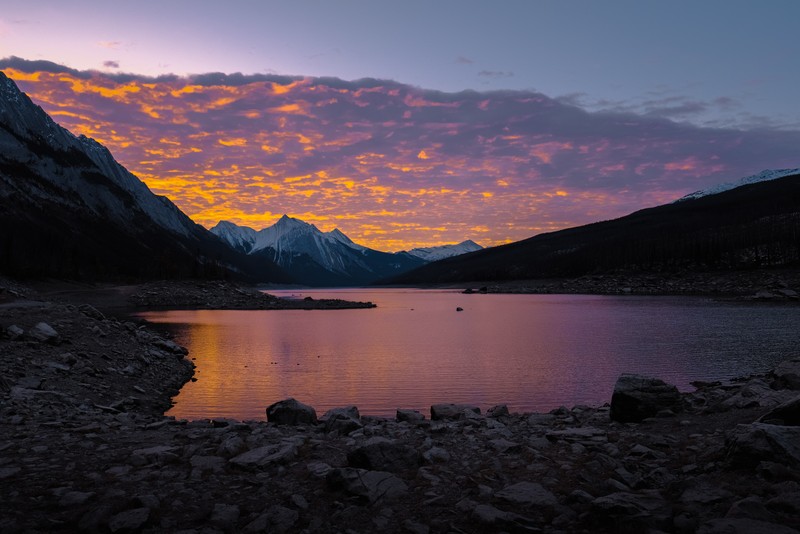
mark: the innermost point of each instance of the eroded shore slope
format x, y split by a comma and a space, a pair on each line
84, 447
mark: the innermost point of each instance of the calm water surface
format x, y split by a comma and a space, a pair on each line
532, 352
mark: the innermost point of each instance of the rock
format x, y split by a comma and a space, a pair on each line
752, 508
75, 498
757, 442
584, 433
501, 410
44, 332
208, 463
787, 503
730, 525
277, 518
787, 414
625, 504
415, 528
373, 486
231, 446
436, 455
170, 346
299, 501
499, 520
129, 520
90, 311
410, 416
291, 412
380, 454
265, 456
452, 411
14, 332
319, 469
344, 420
787, 374
225, 516
503, 445
638, 397
530, 494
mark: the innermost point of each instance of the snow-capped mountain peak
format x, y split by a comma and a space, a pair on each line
445, 251
332, 257
339, 236
763, 176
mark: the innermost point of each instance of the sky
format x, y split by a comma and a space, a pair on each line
419, 123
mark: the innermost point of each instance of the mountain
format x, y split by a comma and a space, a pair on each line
314, 257
445, 251
763, 176
69, 210
750, 226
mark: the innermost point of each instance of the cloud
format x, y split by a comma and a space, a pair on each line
462, 60
113, 45
396, 166
111, 64
495, 74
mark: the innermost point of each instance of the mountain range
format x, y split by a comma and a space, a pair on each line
751, 224
327, 258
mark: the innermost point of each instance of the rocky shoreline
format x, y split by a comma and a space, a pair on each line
756, 285
84, 447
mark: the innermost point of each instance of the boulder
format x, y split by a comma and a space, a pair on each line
501, 410
129, 520
291, 412
638, 397
14, 332
265, 456
787, 374
787, 414
757, 442
452, 411
530, 494
372, 486
44, 332
381, 454
345, 420
409, 416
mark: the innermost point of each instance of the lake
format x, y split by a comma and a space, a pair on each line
532, 352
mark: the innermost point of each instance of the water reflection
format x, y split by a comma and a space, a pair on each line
533, 352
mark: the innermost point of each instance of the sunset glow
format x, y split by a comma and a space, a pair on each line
391, 165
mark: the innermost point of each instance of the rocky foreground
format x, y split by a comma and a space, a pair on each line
84, 447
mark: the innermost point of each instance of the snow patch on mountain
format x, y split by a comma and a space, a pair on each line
763, 176
444, 251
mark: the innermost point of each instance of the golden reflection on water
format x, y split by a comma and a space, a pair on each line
533, 352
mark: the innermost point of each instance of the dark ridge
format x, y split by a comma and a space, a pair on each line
751, 227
